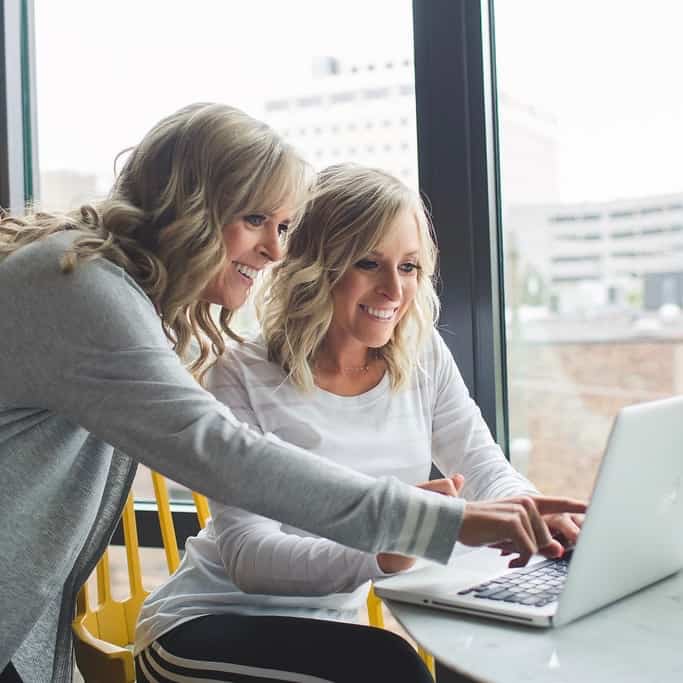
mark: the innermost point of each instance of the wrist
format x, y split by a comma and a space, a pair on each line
391, 563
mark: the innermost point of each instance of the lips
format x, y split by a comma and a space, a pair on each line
383, 314
247, 271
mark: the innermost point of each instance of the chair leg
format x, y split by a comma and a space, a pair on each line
427, 659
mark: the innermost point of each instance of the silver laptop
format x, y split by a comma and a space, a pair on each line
632, 536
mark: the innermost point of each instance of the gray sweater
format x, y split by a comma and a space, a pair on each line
89, 387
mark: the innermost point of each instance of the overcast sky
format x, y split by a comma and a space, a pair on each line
608, 70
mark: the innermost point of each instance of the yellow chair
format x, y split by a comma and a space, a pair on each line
104, 629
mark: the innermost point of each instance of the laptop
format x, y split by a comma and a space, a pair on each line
632, 536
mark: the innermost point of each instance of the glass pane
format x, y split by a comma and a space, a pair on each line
589, 116
335, 79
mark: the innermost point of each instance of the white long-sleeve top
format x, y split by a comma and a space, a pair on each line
243, 562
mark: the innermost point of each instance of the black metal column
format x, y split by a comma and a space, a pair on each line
457, 153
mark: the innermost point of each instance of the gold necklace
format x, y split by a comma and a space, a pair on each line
359, 368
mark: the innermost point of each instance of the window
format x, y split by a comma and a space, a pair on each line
574, 237
338, 97
375, 93
590, 258
18, 168
312, 101
277, 105
589, 135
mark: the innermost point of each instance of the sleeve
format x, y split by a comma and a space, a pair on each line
258, 556
89, 346
461, 440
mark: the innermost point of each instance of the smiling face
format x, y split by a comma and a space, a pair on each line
376, 292
252, 242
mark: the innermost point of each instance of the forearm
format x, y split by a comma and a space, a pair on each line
174, 427
286, 564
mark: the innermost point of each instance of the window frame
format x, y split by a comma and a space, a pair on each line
19, 179
458, 152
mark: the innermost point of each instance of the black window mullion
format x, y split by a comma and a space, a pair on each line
31, 176
457, 146
15, 85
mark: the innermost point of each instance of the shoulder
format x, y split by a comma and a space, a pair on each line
41, 261
437, 369
250, 356
435, 353
245, 363
96, 290
248, 352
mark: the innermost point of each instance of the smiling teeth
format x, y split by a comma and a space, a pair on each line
251, 273
382, 314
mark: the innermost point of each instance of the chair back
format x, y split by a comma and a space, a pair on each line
104, 627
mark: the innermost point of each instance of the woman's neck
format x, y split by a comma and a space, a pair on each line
342, 356
347, 370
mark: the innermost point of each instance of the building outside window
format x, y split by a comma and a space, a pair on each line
593, 256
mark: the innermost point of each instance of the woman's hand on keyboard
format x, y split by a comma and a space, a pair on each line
516, 525
565, 527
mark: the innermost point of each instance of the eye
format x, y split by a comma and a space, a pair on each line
409, 267
256, 220
282, 230
366, 264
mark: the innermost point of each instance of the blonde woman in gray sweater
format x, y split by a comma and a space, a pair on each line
97, 312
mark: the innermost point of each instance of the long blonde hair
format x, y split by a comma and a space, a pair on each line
347, 217
194, 172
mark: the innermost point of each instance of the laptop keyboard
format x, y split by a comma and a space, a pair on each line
538, 585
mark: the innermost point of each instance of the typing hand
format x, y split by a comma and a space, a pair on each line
565, 527
517, 525
390, 563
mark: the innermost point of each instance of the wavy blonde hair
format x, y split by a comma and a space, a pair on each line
350, 211
194, 172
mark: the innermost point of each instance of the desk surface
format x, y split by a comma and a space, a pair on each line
635, 640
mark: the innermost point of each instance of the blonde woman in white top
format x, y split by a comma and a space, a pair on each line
358, 375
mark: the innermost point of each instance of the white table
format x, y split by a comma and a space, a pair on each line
636, 640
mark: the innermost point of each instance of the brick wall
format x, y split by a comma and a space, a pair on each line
564, 396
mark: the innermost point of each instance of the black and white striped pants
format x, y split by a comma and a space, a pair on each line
264, 649
9, 675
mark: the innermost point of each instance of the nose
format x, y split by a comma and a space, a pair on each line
390, 285
271, 246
